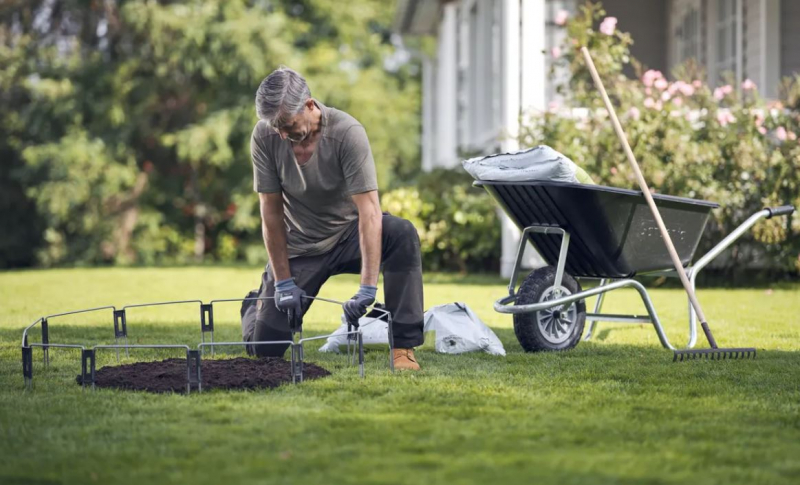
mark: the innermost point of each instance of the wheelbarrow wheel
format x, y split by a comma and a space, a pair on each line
554, 328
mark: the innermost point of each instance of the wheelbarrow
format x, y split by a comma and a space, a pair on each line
586, 232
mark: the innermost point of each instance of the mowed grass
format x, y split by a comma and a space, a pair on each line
616, 410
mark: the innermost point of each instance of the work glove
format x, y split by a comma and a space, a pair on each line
356, 307
289, 296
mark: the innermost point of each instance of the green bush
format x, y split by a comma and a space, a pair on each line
727, 145
457, 224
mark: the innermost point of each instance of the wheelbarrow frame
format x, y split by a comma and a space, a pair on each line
610, 284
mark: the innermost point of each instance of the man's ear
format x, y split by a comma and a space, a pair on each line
310, 104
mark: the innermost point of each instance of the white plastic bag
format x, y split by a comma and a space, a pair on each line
537, 163
459, 330
374, 333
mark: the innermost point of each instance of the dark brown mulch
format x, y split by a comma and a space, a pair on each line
170, 375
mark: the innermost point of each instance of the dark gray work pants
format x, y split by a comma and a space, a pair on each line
402, 286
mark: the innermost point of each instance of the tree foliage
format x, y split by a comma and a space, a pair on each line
125, 126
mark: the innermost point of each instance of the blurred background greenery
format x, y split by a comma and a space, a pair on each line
125, 127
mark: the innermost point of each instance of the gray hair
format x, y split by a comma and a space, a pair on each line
281, 95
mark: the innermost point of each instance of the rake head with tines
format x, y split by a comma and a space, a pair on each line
714, 353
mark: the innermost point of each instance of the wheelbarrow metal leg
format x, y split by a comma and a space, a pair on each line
598, 305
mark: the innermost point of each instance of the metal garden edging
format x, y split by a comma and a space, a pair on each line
355, 341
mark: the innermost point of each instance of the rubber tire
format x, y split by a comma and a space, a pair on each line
525, 324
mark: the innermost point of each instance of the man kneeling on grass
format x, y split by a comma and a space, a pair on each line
320, 216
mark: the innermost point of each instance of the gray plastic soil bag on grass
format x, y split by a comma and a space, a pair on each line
537, 163
374, 332
458, 330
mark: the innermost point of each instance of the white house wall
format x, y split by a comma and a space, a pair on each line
647, 23
761, 27
790, 37
555, 35
428, 112
533, 54
752, 40
445, 117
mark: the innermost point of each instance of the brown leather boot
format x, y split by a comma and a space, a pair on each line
404, 359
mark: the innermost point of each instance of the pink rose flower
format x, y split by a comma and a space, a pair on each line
781, 133
678, 102
748, 85
792, 135
608, 25
634, 113
687, 89
665, 96
555, 52
649, 103
697, 84
727, 89
724, 118
762, 130
719, 95
661, 84
649, 77
674, 87
561, 17
613, 171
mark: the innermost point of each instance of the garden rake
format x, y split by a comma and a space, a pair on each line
713, 353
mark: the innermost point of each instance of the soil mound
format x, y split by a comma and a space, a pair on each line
169, 375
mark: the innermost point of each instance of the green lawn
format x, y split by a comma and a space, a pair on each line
613, 411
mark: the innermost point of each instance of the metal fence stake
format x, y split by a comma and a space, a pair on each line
87, 367
45, 341
193, 370
121, 330
361, 354
27, 366
194, 357
207, 322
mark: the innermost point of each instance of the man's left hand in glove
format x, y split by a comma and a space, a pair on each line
356, 307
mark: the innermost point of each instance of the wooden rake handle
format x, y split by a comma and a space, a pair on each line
676, 260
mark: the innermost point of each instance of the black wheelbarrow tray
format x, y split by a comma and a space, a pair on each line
603, 233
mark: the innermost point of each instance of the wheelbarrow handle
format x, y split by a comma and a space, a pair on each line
783, 210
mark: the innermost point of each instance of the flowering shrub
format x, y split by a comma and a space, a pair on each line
457, 224
727, 144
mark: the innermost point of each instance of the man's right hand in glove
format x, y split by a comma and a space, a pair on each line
289, 296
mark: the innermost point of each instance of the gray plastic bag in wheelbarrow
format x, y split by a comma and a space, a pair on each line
537, 163
459, 330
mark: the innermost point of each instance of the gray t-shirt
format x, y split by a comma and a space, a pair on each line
317, 204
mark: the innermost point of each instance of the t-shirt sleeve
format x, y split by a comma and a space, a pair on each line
265, 173
357, 162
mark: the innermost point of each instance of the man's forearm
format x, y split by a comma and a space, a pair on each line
275, 242
369, 229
